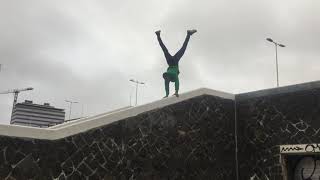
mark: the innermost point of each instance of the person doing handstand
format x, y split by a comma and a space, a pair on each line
173, 61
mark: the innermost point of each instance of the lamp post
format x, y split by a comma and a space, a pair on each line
137, 83
81, 110
276, 46
70, 107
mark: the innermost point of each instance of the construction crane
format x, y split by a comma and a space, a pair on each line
16, 92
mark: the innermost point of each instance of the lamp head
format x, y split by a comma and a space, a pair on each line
269, 39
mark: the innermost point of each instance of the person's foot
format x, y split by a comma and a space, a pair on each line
192, 31
158, 32
165, 97
176, 94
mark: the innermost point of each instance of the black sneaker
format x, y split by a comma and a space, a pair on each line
192, 31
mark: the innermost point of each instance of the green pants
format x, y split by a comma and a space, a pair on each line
171, 76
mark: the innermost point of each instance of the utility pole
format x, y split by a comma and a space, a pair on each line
137, 84
70, 106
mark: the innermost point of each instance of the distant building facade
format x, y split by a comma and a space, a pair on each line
36, 115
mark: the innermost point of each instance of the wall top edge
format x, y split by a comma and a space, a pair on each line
278, 90
82, 125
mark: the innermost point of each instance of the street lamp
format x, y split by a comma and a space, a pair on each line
71, 102
137, 83
276, 45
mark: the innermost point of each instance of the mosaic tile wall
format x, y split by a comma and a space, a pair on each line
188, 140
268, 121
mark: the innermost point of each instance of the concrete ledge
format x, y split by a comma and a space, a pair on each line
68, 123
279, 90
26, 132
82, 125
85, 124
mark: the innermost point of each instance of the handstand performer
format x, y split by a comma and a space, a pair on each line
173, 61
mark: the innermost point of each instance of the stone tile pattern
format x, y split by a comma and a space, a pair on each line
268, 121
193, 139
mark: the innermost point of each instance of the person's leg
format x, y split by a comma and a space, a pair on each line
163, 47
166, 83
180, 53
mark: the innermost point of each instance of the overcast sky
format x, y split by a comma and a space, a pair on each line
87, 50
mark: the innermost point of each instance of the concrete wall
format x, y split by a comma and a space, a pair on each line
192, 139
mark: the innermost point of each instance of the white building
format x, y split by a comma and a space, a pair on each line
36, 115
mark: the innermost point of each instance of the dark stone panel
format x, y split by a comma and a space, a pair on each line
267, 121
193, 139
